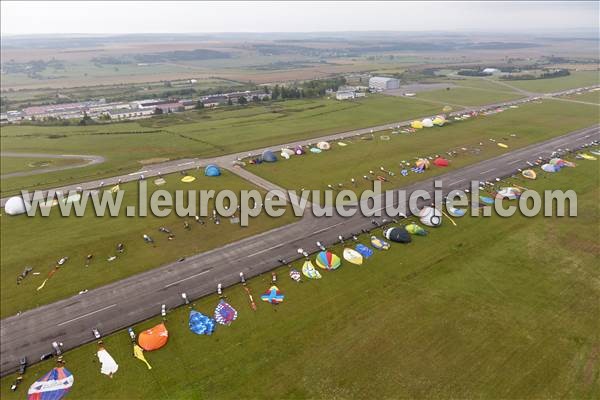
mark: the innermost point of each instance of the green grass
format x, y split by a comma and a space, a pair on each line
39, 242
591, 97
531, 123
19, 164
493, 308
196, 134
464, 96
576, 79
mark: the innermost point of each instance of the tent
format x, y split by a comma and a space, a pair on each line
224, 313
427, 123
15, 205
441, 162
52, 386
430, 216
422, 164
328, 260
352, 256
212, 170
379, 244
364, 251
397, 234
153, 338
529, 174
108, 364
550, 168
201, 324
415, 229
323, 145
273, 295
269, 156
416, 125
309, 271
510, 193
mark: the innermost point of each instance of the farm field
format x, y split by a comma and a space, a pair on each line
18, 164
530, 123
510, 318
575, 80
75, 237
465, 96
198, 134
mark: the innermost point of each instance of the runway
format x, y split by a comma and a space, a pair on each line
126, 302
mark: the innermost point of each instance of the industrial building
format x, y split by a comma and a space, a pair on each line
380, 83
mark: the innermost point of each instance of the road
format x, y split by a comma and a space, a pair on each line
86, 161
123, 303
226, 161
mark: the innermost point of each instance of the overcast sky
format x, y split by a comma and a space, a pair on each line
29, 17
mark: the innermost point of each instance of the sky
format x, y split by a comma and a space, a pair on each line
107, 17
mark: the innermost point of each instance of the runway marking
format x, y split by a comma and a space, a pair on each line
86, 315
264, 250
136, 173
329, 227
514, 162
458, 181
185, 163
189, 277
485, 172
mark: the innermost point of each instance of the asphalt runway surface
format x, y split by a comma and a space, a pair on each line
123, 303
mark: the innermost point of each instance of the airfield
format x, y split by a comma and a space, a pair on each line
438, 295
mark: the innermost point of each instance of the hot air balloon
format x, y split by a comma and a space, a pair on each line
510, 193
397, 234
224, 313
415, 229
52, 386
441, 162
153, 338
529, 174
273, 295
422, 164
201, 324
353, 256
309, 271
430, 216
108, 364
323, 145
364, 251
427, 123
328, 260
379, 244
416, 125
15, 205
550, 168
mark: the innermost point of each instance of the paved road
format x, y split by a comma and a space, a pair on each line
86, 161
226, 161
123, 303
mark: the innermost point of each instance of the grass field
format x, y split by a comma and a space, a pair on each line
18, 164
493, 308
39, 242
592, 97
466, 96
575, 80
530, 123
195, 134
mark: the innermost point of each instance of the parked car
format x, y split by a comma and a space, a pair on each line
46, 356
22, 365
163, 310
131, 334
96, 333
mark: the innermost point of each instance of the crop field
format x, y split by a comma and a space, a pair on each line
20, 164
465, 96
530, 123
198, 134
576, 79
511, 318
75, 237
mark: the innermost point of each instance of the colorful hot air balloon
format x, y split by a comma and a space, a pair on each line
328, 260
309, 271
422, 164
224, 313
52, 386
154, 338
379, 244
201, 324
273, 295
415, 229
